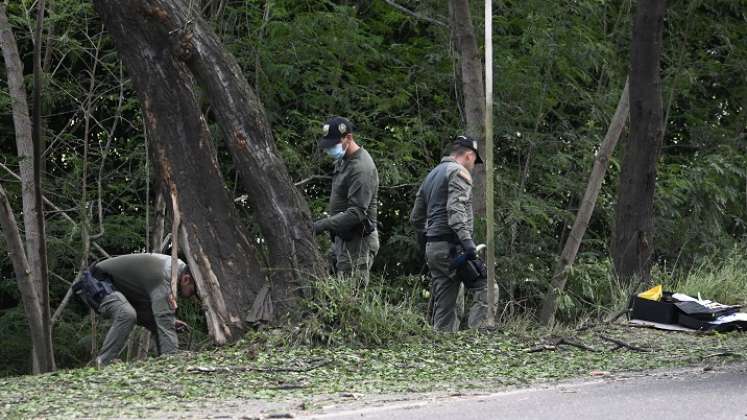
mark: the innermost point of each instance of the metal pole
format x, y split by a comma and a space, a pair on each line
489, 178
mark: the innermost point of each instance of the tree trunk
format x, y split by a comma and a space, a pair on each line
29, 297
634, 228
279, 208
473, 90
586, 209
187, 162
42, 339
40, 253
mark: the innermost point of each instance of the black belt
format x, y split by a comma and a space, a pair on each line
447, 237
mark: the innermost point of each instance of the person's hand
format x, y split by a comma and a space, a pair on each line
317, 228
181, 326
470, 250
172, 302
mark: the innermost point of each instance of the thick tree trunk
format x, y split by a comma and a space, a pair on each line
634, 228
280, 210
42, 340
187, 162
586, 209
473, 90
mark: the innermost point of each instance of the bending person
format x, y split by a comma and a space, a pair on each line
135, 289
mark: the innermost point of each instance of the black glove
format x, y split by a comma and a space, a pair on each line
470, 250
317, 227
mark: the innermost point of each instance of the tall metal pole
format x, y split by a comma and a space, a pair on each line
489, 178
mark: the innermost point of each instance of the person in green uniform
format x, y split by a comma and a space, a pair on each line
140, 293
443, 219
352, 210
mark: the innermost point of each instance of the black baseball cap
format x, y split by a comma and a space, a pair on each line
469, 143
334, 130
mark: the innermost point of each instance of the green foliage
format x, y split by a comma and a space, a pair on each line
722, 279
341, 311
250, 372
559, 70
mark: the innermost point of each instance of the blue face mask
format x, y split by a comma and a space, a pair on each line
336, 152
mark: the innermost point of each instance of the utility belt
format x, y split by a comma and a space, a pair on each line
92, 290
446, 237
362, 229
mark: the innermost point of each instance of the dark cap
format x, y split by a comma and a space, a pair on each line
334, 130
469, 143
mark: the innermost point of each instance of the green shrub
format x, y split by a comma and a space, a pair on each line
721, 279
340, 311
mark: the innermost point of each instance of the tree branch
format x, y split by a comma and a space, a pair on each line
415, 14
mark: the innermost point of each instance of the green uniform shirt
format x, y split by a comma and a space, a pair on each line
145, 280
443, 204
354, 197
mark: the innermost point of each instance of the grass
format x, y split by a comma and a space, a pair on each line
253, 369
723, 280
368, 340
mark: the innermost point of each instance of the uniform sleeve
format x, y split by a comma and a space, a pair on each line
360, 193
459, 204
418, 215
165, 319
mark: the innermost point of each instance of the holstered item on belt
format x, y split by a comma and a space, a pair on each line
362, 229
472, 273
91, 290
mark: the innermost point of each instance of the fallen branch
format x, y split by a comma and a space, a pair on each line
560, 341
621, 344
542, 347
288, 386
232, 369
722, 354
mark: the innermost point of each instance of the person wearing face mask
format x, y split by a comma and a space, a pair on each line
443, 219
352, 209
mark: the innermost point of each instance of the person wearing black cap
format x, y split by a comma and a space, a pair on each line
352, 210
443, 218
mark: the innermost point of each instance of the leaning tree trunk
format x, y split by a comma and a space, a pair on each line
31, 303
634, 228
180, 140
43, 354
585, 210
473, 89
281, 212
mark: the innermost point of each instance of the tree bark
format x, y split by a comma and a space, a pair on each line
633, 246
473, 90
279, 208
187, 162
43, 354
586, 209
29, 297
41, 242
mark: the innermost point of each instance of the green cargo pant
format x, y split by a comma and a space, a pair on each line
445, 289
356, 256
123, 316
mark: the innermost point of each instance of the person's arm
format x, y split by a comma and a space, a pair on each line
360, 193
459, 205
418, 217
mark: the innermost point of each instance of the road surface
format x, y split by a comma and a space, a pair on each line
689, 394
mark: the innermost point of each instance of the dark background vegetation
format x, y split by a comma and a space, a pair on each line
559, 69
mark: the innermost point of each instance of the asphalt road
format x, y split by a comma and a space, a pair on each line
693, 394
